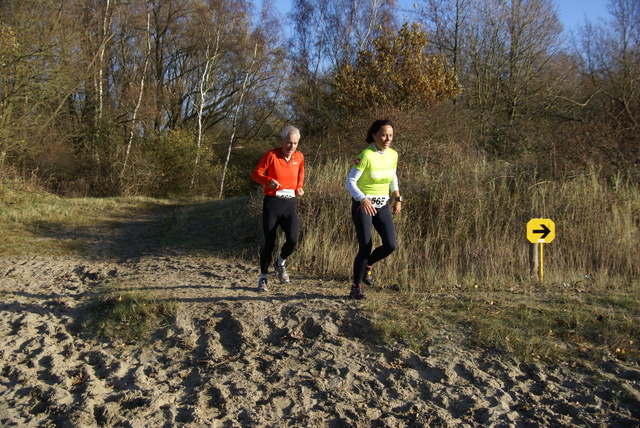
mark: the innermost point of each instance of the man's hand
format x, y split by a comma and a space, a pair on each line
299, 191
273, 184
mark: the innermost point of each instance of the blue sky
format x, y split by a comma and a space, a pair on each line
571, 12
574, 12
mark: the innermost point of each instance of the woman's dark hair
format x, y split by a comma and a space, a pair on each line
375, 127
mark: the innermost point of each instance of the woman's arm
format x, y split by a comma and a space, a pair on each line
358, 195
352, 184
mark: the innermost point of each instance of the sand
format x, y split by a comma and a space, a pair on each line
297, 356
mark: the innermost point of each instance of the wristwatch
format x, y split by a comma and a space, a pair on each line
399, 199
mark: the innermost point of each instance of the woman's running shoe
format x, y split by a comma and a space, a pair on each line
356, 292
368, 275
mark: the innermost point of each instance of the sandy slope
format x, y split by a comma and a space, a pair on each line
297, 356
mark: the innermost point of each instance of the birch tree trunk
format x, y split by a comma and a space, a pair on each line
239, 106
105, 26
203, 91
140, 95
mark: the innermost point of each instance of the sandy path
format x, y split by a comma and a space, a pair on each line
297, 356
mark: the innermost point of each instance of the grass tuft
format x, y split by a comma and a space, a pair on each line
130, 316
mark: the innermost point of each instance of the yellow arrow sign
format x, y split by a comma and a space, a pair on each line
541, 230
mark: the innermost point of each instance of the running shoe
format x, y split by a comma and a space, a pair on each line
368, 275
356, 292
262, 284
283, 276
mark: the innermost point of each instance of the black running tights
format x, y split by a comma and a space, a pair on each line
383, 223
278, 212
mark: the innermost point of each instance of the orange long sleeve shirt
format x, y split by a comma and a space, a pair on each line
274, 166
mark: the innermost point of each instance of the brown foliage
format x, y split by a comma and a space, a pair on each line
396, 72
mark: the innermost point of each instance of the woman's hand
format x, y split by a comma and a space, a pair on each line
396, 207
368, 207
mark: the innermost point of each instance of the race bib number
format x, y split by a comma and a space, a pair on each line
378, 201
286, 193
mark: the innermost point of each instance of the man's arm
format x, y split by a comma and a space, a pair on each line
260, 170
300, 184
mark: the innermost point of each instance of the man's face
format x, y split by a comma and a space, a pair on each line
290, 144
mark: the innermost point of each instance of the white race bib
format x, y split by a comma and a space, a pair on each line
378, 201
286, 193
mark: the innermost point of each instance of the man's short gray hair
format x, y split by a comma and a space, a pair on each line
289, 130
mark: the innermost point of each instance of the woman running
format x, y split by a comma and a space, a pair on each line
371, 180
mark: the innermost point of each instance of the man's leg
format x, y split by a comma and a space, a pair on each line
270, 229
291, 228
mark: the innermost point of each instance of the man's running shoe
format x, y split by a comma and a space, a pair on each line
356, 292
368, 275
282, 272
262, 285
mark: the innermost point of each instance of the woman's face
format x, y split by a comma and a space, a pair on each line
383, 138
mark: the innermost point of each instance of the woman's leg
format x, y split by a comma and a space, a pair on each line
383, 223
362, 223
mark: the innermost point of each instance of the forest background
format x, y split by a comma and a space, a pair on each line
500, 119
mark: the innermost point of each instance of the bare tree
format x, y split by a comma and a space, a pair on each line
244, 86
610, 54
134, 115
498, 48
263, 73
44, 69
105, 36
327, 35
447, 20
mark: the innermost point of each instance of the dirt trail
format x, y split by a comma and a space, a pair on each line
297, 356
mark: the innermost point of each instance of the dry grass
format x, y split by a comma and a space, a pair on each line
41, 227
462, 260
463, 255
461, 227
35, 221
544, 323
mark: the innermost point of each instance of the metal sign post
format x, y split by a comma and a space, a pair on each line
541, 231
540, 261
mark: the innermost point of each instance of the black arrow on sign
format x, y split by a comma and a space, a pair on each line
545, 231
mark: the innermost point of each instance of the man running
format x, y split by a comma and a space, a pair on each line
281, 172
